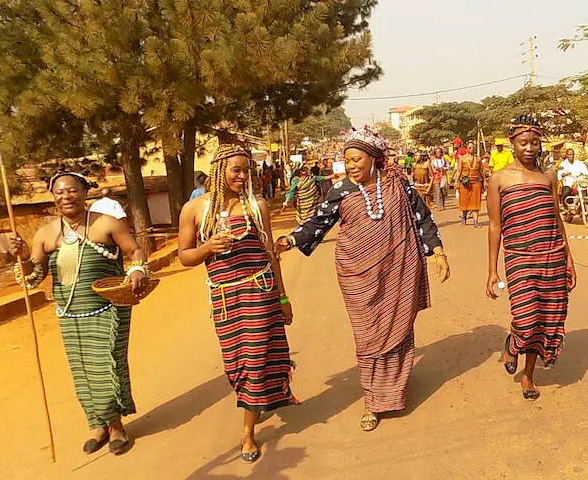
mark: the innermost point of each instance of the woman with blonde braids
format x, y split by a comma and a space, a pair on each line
249, 303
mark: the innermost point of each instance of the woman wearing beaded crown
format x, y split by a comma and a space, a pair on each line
249, 303
78, 248
523, 206
386, 231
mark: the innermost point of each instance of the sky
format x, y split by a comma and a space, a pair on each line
430, 45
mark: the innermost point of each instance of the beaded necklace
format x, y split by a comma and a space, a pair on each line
71, 235
247, 220
368, 203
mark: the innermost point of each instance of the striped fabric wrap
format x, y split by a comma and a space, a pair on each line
96, 346
537, 283
308, 198
364, 147
383, 278
250, 325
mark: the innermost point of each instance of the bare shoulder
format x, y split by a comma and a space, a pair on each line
263, 205
50, 228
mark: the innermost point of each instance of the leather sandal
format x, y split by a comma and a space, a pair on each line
93, 445
369, 422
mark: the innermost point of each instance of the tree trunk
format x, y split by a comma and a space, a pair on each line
189, 158
174, 182
136, 195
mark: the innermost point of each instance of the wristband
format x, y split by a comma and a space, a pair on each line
136, 268
284, 301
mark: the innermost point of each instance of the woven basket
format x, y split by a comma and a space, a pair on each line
118, 290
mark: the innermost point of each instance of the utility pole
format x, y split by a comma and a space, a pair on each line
532, 54
437, 98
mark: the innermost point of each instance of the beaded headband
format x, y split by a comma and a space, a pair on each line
84, 181
368, 141
229, 150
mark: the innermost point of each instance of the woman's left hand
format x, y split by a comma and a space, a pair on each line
138, 282
443, 272
287, 311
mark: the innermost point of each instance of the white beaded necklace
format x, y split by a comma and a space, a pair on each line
72, 236
368, 203
247, 220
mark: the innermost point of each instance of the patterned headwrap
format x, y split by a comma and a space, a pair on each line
228, 151
524, 124
368, 141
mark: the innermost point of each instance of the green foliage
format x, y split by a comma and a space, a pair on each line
558, 108
446, 121
569, 43
321, 125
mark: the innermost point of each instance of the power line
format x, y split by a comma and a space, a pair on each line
436, 92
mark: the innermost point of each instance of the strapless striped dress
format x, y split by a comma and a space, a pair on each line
249, 323
536, 270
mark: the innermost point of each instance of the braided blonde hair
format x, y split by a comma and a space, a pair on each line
215, 186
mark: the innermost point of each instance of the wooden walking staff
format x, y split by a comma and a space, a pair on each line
29, 311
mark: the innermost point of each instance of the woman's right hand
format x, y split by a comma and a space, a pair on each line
16, 245
282, 245
219, 243
493, 279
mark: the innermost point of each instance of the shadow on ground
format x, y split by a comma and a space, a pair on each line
571, 365
181, 409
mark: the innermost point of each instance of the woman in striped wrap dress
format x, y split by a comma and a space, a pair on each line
305, 189
386, 232
524, 211
249, 304
78, 248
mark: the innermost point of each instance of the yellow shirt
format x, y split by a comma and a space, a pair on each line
499, 160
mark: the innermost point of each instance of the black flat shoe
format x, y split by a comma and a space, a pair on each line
94, 445
250, 457
510, 367
531, 394
118, 446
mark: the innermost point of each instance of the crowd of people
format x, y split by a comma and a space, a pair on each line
386, 231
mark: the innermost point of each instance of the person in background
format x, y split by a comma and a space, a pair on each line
552, 160
439, 167
500, 158
409, 161
275, 180
524, 213
108, 206
315, 169
326, 171
471, 184
199, 183
392, 160
305, 189
569, 171
423, 177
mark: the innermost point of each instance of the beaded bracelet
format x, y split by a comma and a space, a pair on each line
33, 279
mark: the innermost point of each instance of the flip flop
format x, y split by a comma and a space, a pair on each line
249, 457
510, 367
93, 445
369, 422
531, 394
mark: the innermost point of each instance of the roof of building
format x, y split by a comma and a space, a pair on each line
403, 109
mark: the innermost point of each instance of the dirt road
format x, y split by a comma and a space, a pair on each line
466, 417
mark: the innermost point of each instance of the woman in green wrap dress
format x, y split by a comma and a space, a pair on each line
79, 247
